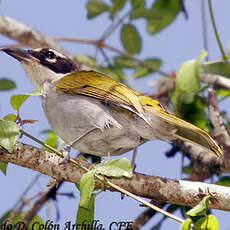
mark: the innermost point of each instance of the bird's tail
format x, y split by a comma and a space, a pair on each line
188, 132
198, 137
184, 130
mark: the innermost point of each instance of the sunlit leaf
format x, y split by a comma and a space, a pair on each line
116, 168
186, 225
8, 134
206, 223
188, 80
86, 188
17, 100
223, 92
51, 139
10, 117
201, 208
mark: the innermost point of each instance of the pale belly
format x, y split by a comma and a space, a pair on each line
72, 116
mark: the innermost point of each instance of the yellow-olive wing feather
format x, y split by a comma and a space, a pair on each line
100, 86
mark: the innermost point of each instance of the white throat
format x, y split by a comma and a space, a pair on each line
39, 74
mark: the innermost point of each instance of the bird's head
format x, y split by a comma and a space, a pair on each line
43, 64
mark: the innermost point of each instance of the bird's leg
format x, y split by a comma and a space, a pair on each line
133, 164
65, 148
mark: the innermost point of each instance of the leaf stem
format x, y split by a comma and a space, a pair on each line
216, 33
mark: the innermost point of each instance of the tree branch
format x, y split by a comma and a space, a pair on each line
217, 120
26, 35
166, 190
216, 80
49, 193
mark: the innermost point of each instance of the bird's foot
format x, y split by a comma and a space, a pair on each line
65, 150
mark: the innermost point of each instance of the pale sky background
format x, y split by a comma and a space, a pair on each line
177, 43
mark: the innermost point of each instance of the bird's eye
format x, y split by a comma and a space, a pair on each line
50, 55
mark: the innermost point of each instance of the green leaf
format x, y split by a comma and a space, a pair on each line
187, 77
6, 84
138, 4
168, 9
225, 181
195, 112
86, 60
3, 166
96, 7
223, 92
35, 223
188, 80
86, 214
201, 208
130, 39
216, 68
141, 71
145, 13
112, 71
228, 50
17, 100
51, 139
117, 5
206, 223
86, 188
116, 168
8, 134
10, 117
123, 62
188, 169
186, 225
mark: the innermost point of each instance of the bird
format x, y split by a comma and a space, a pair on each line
98, 115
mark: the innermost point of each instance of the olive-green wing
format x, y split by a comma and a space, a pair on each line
97, 85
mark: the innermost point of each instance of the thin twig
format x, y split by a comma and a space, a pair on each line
49, 193
204, 27
216, 32
26, 35
163, 189
27, 190
100, 44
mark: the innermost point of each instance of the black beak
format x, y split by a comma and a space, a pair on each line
20, 54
